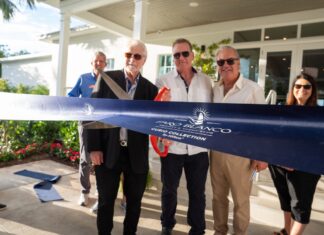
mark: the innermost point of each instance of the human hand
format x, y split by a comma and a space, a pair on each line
165, 94
258, 165
288, 168
96, 158
166, 142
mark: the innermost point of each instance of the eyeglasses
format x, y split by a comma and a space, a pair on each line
306, 87
185, 54
128, 55
229, 61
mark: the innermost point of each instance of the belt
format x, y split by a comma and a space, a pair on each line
123, 143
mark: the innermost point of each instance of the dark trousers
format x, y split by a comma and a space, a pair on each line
108, 184
195, 168
296, 191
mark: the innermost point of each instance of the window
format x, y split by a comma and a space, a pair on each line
247, 36
110, 64
282, 33
165, 64
313, 29
249, 59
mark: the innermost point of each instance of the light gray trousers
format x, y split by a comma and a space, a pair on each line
85, 162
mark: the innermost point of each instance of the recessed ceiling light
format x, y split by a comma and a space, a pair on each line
193, 4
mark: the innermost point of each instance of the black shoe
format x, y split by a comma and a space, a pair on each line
166, 231
2, 207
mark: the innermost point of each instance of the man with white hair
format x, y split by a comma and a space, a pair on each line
117, 151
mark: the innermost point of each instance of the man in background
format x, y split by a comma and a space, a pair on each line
83, 88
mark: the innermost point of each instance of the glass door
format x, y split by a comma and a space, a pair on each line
275, 71
278, 74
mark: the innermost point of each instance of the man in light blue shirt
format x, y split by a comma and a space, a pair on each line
83, 88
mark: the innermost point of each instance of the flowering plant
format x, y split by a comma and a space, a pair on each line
29, 150
57, 150
20, 153
73, 156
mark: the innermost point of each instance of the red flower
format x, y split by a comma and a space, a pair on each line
56, 146
73, 158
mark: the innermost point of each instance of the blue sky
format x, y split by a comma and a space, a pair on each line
22, 32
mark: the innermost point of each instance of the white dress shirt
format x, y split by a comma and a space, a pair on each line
199, 90
244, 91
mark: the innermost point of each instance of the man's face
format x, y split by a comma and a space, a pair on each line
134, 59
228, 65
98, 63
182, 57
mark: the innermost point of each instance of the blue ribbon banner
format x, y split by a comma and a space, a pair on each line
291, 136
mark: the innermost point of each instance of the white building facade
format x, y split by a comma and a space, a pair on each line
273, 49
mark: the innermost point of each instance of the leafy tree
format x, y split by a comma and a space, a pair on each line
205, 57
9, 7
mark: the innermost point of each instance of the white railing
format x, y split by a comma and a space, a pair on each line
271, 97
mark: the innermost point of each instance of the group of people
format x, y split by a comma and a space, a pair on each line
117, 151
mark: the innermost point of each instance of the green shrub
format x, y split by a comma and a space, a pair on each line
20, 139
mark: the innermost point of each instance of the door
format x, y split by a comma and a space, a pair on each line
276, 72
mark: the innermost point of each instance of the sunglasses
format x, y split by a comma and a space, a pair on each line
129, 55
229, 61
177, 55
306, 87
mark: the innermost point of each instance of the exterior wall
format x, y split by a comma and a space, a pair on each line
208, 34
32, 70
82, 48
29, 70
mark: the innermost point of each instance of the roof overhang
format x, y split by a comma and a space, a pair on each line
168, 16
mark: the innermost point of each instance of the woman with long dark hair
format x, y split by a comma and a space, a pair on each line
296, 188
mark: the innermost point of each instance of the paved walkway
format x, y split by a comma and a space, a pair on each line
26, 215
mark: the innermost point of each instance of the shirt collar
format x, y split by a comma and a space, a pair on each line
192, 69
238, 83
136, 79
93, 74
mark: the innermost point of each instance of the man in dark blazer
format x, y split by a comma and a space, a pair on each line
118, 150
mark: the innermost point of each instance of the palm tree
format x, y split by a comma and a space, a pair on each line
8, 7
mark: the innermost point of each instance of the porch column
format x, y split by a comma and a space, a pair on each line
63, 53
140, 17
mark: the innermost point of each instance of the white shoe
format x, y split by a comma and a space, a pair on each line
94, 208
84, 199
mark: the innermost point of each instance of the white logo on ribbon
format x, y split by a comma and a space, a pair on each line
196, 127
200, 115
